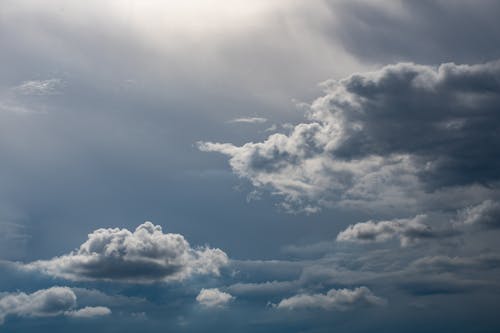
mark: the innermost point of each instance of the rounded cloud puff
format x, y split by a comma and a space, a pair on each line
146, 255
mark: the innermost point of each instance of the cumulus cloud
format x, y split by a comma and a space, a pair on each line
408, 231
383, 138
213, 298
249, 120
485, 215
146, 255
50, 302
335, 299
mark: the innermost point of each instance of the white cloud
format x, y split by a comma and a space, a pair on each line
249, 120
335, 299
50, 302
213, 298
89, 312
146, 255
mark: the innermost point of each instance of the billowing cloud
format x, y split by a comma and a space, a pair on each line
335, 299
50, 302
408, 231
383, 138
146, 255
213, 298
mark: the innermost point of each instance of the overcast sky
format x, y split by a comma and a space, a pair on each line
249, 166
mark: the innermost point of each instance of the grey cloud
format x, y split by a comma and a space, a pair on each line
443, 263
50, 302
408, 231
443, 285
383, 138
484, 215
263, 289
381, 31
87, 297
334, 299
146, 255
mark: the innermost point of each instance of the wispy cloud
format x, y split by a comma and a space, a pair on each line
249, 120
40, 87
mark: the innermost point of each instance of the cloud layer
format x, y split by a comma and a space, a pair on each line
144, 256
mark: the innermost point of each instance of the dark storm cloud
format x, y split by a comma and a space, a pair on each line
426, 31
146, 255
382, 136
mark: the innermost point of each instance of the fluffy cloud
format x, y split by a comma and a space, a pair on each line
50, 302
383, 138
335, 299
144, 256
408, 231
213, 298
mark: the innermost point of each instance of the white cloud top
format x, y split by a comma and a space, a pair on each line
213, 298
146, 255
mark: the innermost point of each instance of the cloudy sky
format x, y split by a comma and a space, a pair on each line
249, 166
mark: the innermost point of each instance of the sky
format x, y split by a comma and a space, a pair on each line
249, 166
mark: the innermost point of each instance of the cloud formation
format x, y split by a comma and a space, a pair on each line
484, 215
335, 299
146, 255
408, 231
50, 302
89, 312
383, 138
213, 298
